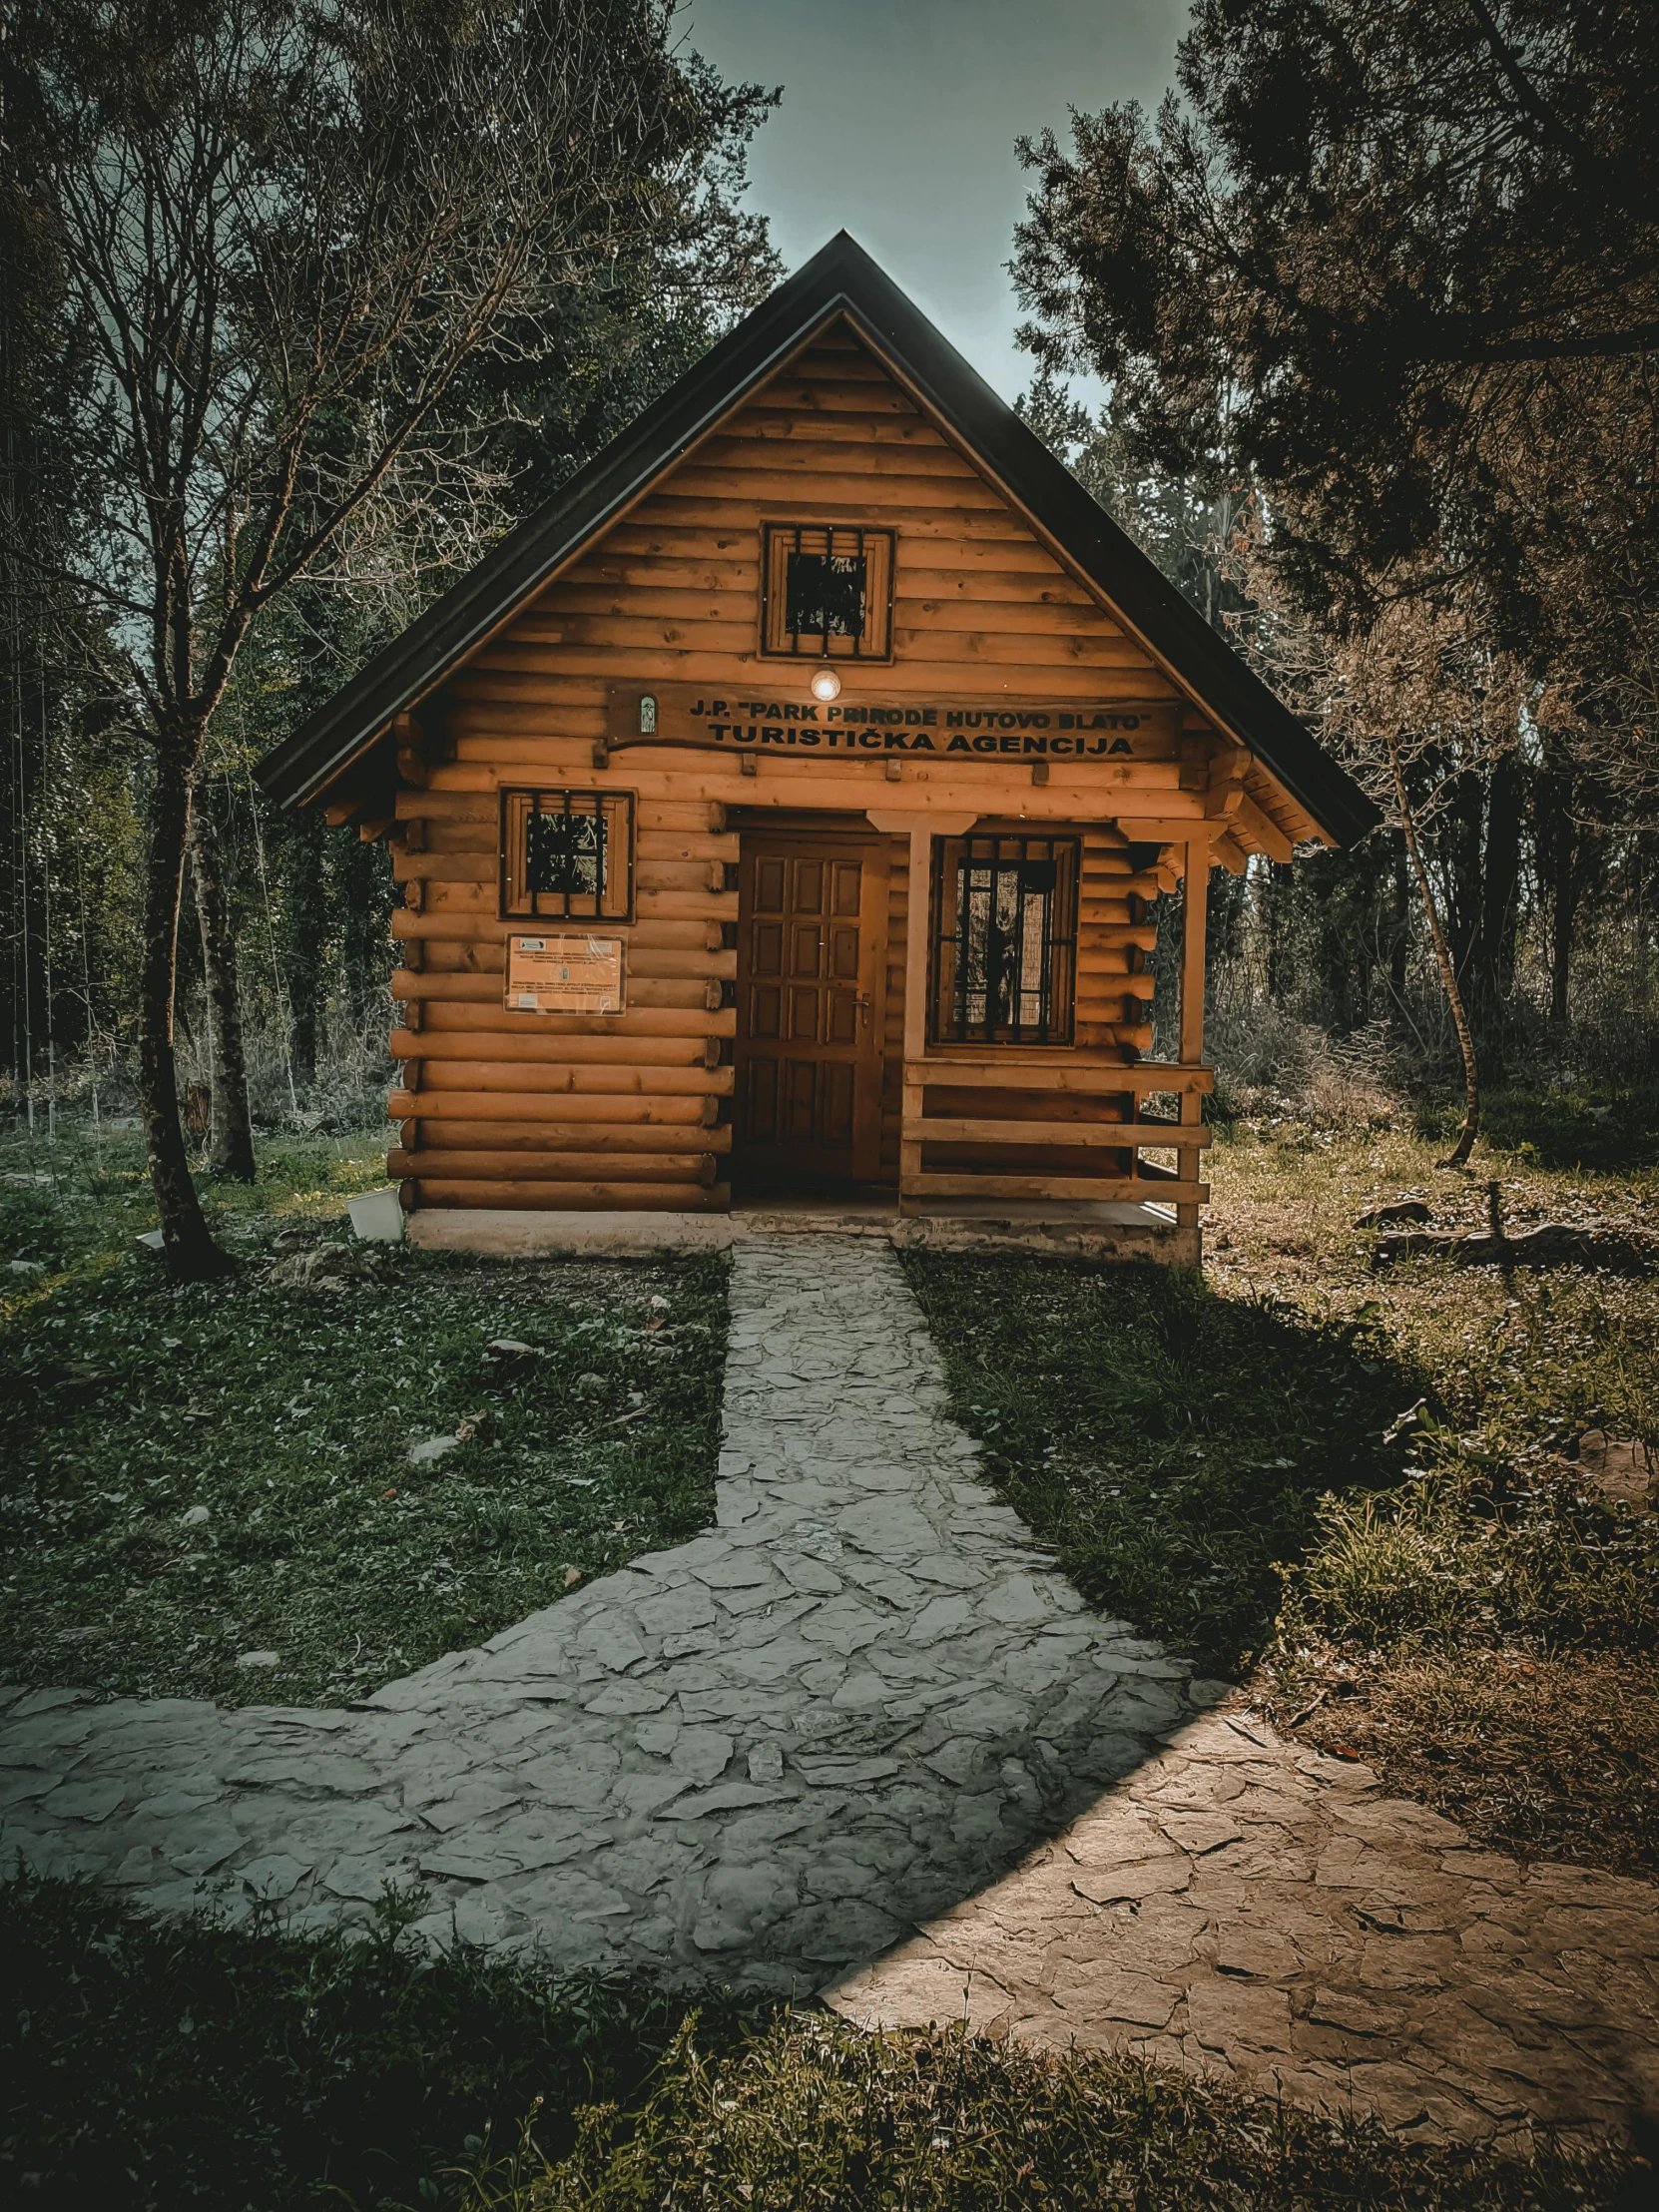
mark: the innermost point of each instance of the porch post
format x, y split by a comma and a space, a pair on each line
916, 904
1187, 1159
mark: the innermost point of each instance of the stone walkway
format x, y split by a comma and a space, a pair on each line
866, 1720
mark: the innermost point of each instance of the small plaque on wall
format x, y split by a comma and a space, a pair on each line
565, 975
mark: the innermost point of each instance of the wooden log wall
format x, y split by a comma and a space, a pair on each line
565, 1111
510, 1109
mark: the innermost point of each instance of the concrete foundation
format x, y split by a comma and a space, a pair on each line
1114, 1233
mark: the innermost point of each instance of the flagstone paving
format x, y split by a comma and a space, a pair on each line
863, 1738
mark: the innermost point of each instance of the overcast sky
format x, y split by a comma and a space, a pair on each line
898, 124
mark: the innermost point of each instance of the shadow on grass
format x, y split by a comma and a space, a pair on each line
186, 2064
190, 2068
1172, 1445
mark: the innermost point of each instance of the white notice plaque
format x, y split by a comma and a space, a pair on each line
565, 975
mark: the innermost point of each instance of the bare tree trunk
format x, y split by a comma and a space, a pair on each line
1442, 955
191, 1254
1493, 968
363, 929
305, 921
1566, 857
231, 1147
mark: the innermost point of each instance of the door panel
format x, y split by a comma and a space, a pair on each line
811, 942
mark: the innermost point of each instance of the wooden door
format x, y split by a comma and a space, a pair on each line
812, 943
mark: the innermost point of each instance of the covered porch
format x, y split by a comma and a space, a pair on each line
1144, 1165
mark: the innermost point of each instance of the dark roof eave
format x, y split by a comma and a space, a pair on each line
840, 280
1166, 622
458, 621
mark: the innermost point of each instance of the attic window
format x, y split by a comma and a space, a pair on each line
568, 855
829, 592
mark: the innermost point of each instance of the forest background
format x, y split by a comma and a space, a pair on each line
1375, 295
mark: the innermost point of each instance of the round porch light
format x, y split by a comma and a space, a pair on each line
826, 684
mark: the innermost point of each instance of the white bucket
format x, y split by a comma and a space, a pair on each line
377, 1217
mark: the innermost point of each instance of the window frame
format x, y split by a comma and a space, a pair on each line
946, 926
512, 860
878, 548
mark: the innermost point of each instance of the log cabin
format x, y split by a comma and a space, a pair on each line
779, 810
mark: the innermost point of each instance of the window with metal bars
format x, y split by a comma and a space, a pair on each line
1005, 947
827, 592
567, 854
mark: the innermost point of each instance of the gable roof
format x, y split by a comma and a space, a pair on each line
839, 280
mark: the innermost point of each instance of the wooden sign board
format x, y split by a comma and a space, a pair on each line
565, 975
801, 727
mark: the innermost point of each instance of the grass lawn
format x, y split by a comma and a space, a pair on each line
1348, 1487
186, 2067
181, 2067
1237, 1465
194, 1474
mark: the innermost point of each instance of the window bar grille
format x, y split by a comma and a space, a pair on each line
1007, 969
830, 556
1046, 1002
567, 854
542, 807
560, 802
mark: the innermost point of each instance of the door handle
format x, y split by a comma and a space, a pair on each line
864, 1003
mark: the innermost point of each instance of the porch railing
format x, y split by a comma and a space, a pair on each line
1146, 1180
